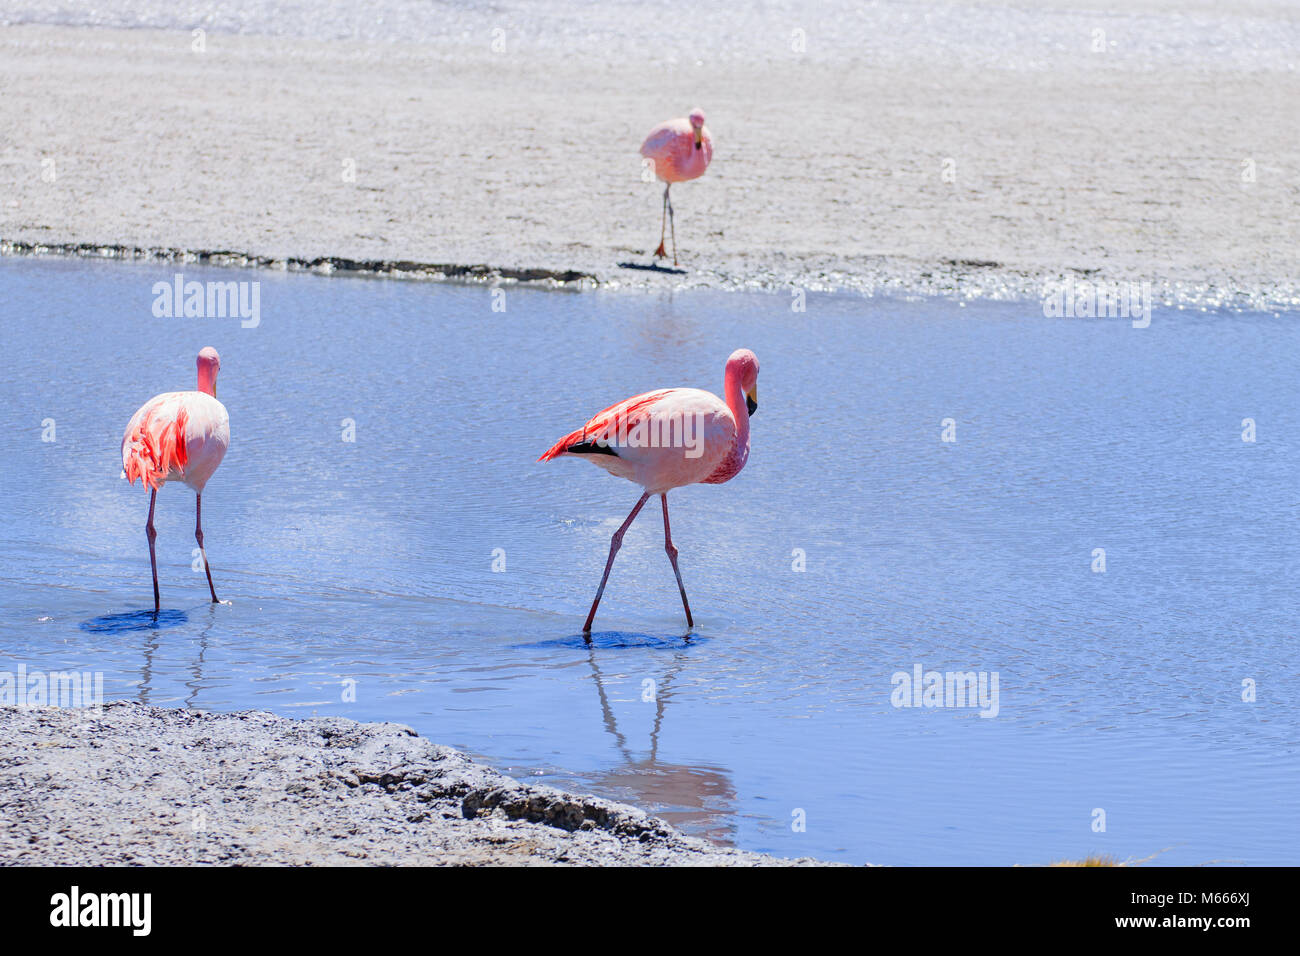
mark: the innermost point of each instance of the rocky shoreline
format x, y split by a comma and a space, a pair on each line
134, 784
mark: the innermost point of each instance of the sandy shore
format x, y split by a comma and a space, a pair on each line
825, 175
136, 784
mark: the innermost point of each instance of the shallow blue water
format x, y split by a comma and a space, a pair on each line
371, 561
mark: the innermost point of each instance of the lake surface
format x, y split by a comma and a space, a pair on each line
372, 560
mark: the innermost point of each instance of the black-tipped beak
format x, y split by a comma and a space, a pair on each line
751, 403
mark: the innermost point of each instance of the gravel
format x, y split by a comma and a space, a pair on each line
134, 784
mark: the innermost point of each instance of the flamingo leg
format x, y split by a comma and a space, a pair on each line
663, 226
198, 536
672, 226
615, 543
672, 556
151, 534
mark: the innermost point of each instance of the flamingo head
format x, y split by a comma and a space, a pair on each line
697, 124
743, 367
209, 363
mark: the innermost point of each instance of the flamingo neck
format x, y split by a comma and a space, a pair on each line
695, 164
739, 454
735, 395
207, 380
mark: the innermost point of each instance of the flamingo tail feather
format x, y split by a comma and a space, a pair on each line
155, 447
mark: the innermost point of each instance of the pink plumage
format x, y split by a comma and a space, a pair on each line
178, 436
679, 150
155, 444
665, 439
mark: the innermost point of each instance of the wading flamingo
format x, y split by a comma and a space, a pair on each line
680, 150
666, 439
178, 436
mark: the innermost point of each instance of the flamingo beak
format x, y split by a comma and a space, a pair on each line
699, 138
751, 400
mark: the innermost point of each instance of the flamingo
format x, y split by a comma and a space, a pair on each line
680, 149
665, 439
178, 436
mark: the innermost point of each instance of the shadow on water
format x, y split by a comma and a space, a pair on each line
621, 639
134, 621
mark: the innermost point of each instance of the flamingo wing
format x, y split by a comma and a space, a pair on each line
662, 139
154, 442
604, 425
175, 435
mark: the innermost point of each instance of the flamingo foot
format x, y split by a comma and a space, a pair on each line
661, 252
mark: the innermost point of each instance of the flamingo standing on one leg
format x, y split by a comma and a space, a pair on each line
179, 436
680, 150
635, 440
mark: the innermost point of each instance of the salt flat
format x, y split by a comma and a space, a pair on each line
907, 173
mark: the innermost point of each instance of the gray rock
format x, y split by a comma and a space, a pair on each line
135, 784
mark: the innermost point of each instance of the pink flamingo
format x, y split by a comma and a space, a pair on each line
680, 150
666, 439
180, 436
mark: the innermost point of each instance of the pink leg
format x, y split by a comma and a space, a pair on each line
663, 228
615, 543
198, 536
672, 226
672, 556
151, 534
